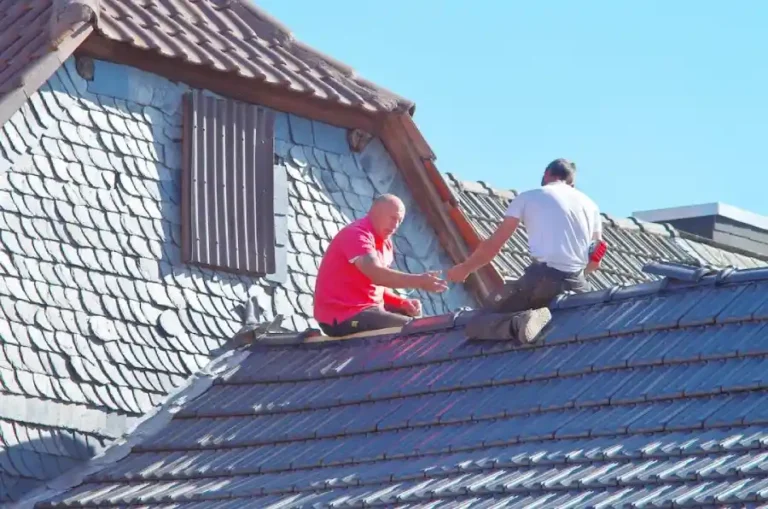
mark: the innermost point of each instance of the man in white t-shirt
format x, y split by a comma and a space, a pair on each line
565, 241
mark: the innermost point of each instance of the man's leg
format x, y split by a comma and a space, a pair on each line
398, 311
520, 309
577, 283
367, 320
536, 288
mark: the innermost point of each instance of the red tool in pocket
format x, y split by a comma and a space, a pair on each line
597, 251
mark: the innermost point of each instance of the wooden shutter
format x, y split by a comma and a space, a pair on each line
228, 185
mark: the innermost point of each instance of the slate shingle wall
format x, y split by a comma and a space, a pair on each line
99, 318
659, 396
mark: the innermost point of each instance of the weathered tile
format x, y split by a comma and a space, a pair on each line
330, 138
301, 130
362, 186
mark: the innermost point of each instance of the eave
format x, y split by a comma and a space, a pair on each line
230, 84
38, 72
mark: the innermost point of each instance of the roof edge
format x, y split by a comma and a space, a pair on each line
397, 103
147, 426
673, 276
35, 75
236, 87
286, 35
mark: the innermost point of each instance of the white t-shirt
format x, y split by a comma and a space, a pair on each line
561, 223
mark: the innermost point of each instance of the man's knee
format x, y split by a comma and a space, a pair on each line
366, 321
514, 296
393, 319
544, 292
396, 311
503, 296
531, 291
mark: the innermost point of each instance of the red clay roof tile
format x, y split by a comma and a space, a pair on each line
21, 43
235, 36
231, 36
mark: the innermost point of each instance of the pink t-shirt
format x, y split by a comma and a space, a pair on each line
342, 290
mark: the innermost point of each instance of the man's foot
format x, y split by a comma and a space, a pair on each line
529, 324
491, 326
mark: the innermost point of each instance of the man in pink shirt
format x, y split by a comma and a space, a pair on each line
353, 289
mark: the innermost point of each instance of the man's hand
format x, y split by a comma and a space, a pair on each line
430, 282
591, 267
485, 252
412, 307
457, 274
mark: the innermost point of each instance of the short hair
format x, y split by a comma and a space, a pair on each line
562, 169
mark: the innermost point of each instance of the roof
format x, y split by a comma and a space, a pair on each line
236, 36
100, 319
27, 56
649, 394
226, 38
632, 242
17, 50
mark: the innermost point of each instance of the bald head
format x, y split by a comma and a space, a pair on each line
386, 214
388, 201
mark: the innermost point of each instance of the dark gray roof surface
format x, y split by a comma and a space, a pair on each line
650, 394
632, 243
99, 317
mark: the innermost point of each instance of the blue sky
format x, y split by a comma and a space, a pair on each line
659, 103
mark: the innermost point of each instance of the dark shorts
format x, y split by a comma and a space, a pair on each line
367, 320
536, 288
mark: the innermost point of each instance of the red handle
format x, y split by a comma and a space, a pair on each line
598, 251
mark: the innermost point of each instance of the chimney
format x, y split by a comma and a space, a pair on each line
725, 224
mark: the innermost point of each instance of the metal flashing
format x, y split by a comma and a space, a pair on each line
702, 210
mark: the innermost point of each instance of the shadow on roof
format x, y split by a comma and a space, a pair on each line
25, 463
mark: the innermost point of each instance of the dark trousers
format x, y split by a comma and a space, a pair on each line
502, 316
373, 318
536, 288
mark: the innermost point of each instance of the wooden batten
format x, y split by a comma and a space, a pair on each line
366, 334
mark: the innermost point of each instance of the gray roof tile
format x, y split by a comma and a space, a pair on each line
632, 243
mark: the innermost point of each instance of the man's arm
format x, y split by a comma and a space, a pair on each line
394, 300
487, 250
594, 261
359, 248
390, 278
